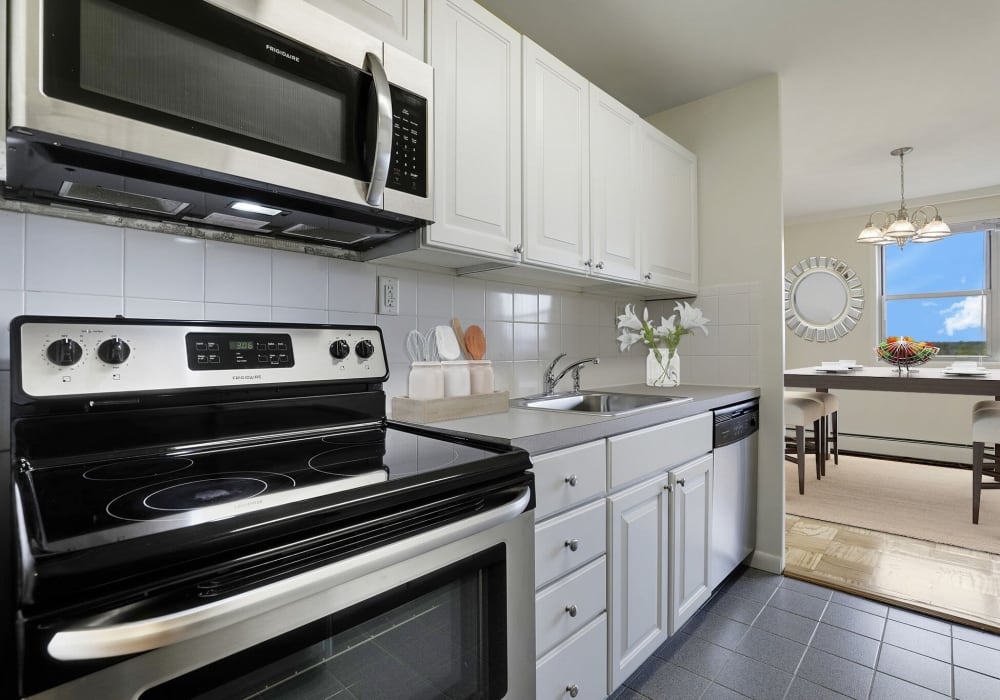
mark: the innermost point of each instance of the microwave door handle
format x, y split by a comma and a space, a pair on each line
383, 130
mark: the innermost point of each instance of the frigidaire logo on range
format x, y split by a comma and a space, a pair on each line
281, 52
246, 377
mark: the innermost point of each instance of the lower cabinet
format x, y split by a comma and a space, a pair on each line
691, 543
623, 537
577, 668
638, 583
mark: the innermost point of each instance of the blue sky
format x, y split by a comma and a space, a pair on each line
954, 264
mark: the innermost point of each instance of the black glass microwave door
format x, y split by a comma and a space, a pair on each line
192, 67
442, 637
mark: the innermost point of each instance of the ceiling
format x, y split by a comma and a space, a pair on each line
857, 77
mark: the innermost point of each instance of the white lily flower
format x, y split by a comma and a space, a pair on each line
628, 339
691, 317
667, 325
629, 320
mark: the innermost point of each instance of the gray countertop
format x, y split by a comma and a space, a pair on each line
540, 431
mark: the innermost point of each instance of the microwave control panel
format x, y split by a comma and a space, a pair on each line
408, 164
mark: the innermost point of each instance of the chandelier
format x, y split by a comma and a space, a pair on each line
903, 226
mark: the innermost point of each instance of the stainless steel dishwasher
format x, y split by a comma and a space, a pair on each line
734, 490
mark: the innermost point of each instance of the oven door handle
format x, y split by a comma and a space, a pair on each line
92, 640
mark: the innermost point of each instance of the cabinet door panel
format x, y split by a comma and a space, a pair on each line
691, 529
638, 581
477, 130
397, 22
614, 183
556, 162
668, 212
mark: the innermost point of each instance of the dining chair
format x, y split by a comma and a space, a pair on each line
985, 430
800, 411
828, 424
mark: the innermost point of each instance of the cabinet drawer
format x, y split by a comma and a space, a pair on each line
582, 593
635, 455
581, 662
555, 539
568, 477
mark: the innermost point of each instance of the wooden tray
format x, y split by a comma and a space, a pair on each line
434, 410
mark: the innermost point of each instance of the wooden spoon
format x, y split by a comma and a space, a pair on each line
475, 342
461, 338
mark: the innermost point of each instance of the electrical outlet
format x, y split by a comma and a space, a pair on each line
388, 296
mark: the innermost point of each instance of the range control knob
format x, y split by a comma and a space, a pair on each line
340, 349
114, 351
365, 349
64, 352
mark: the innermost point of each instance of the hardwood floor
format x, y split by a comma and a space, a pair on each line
961, 585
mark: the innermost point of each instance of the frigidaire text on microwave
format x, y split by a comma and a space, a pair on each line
270, 117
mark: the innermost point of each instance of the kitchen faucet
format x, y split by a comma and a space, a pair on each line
549, 381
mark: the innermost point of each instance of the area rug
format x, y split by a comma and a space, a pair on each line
915, 500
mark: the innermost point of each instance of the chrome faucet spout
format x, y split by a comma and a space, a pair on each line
549, 381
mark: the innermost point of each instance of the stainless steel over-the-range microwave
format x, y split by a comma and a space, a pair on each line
270, 116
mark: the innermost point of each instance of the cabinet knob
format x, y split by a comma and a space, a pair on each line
571, 479
600, 265
572, 690
571, 609
648, 276
518, 248
589, 262
667, 487
680, 482
573, 544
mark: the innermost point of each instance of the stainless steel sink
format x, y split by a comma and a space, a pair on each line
596, 403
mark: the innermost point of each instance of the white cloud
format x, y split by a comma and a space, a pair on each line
964, 314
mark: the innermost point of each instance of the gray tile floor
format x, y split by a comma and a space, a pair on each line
765, 636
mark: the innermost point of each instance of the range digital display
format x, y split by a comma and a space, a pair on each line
241, 345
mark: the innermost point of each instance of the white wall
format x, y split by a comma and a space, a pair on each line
736, 136
924, 417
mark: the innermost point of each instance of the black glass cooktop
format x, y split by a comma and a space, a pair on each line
78, 506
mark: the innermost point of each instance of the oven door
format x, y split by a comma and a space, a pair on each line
235, 87
452, 620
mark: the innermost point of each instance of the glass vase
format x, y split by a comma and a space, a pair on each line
663, 372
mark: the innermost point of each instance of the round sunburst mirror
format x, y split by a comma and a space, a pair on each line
823, 299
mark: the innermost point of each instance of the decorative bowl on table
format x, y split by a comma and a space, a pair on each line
902, 351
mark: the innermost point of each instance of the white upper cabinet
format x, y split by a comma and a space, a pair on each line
556, 162
396, 22
477, 131
614, 187
668, 212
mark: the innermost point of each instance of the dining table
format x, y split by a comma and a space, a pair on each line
921, 380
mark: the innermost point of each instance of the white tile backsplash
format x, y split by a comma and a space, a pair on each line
158, 266
434, 294
215, 311
237, 274
11, 305
59, 304
156, 275
165, 308
499, 302
11, 250
734, 308
78, 257
299, 281
470, 300
352, 287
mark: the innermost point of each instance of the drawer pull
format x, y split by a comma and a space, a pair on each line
680, 482
571, 609
572, 690
573, 544
571, 479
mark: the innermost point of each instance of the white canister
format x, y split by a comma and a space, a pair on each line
456, 378
426, 381
481, 376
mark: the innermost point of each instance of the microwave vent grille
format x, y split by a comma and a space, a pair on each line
117, 198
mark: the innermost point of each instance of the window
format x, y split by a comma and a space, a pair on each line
940, 293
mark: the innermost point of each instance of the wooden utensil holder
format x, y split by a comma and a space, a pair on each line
410, 410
